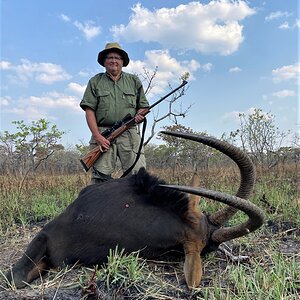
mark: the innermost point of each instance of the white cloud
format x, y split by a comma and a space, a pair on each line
169, 71
284, 25
54, 100
88, 29
49, 73
4, 101
287, 25
290, 72
5, 65
46, 73
83, 74
284, 93
76, 88
234, 116
235, 70
44, 106
28, 113
277, 15
207, 67
207, 28
65, 18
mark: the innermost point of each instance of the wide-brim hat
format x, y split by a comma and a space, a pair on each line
113, 47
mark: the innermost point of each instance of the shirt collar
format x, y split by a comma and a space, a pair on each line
110, 77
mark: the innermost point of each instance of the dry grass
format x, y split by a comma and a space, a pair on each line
273, 251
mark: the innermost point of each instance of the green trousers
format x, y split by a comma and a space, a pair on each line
124, 147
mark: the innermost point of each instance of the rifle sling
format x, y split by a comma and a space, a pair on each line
139, 150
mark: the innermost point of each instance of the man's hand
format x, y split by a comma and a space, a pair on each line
140, 115
103, 143
138, 118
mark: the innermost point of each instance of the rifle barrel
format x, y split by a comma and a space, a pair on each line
166, 96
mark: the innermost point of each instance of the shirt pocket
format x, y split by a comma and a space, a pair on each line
103, 100
130, 99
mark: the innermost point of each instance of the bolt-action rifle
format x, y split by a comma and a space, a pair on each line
118, 128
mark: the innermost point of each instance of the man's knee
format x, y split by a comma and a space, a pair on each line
98, 177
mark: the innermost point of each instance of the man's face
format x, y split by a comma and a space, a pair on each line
113, 63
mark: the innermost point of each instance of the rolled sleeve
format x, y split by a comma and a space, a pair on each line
89, 98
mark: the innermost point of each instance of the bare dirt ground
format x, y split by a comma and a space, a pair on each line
69, 286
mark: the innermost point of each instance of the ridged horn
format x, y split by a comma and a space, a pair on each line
255, 214
246, 167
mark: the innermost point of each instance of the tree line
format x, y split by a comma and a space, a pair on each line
36, 148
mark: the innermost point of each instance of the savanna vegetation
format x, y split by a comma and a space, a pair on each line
39, 178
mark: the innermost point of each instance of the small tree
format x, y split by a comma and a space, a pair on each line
260, 137
31, 145
186, 152
158, 156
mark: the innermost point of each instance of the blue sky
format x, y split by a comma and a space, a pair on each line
240, 55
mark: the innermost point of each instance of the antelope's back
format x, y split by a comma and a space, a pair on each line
133, 213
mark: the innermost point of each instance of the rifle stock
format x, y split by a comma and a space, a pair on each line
90, 158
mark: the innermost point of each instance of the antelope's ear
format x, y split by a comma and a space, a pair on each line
192, 269
194, 199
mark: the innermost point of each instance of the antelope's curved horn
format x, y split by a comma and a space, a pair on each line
247, 171
255, 214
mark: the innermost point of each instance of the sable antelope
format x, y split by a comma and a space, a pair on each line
142, 212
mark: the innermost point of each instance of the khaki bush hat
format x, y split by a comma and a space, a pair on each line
110, 47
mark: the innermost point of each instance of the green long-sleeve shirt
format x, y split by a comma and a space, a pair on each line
113, 100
